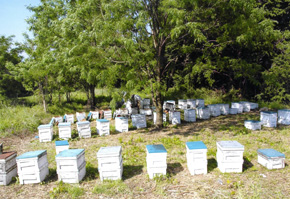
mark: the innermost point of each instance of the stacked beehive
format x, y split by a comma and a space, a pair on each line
139, 121
271, 158
147, 111
71, 165
69, 118
268, 118
156, 160
81, 116
103, 127
146, 103
95, 115
189, 115
168, 106
32, 167
155, 117
61, 146
214, 110
191, 103
45, 132
284, 116
110, 163
238, 105
199, 102
230, 156
246, 106
182, 104
254, 105
107, 114
203, 113
233, 111
84, 129
8, 167
121, 124
225, 109
174, 117
196, 157
64, 130
252, 124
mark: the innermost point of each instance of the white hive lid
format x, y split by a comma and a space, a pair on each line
230, 145
109, 151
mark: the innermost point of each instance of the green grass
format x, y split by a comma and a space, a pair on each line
111, 188
72, 191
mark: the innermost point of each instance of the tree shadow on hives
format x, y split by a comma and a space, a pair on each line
130, 171
174, 168
247, 164
211, 164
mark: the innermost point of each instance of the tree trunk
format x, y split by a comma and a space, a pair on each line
42, 96
92, 96
67, 96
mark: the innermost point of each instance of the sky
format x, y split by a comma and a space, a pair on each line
12, 17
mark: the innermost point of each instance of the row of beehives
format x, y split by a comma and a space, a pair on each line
32, 167
269, 119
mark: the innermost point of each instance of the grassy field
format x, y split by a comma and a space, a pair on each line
18, 128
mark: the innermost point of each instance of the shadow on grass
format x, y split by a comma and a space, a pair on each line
52, 176
174, 168
211, 164
247, 164
92, 172
130, 171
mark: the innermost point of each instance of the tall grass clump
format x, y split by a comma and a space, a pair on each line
21, 119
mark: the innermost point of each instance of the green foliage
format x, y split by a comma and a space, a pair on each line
111, 187
73, 191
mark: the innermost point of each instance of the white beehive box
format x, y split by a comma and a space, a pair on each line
64, 130
191, 103
196, 157
61, 146
246, 106
69, 118
174, 117
168, 106
32, 167
121, 113
139, 121
84, 129
214, 110
145, 103
155, 116
253, 105
95, 115
107, 114
199, 102
146, 111
238, 105
103, 127
45, 133
189, 115
121, 124
156, 160
268, 118
71, 165
8, 167
81, 116
182, 104
58, 119
284, 116
230, 156
202, 113
110, 163
252, 124
271, 158
233, 111
225, 109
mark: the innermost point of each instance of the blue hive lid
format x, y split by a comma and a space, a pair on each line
252, 121
111, 150
61, 143
269, 112
230, 144
287, 110
70, 153
44, 126
102, 120
32, 154
84, 122
64, 124
158, 148
195, 145
271, 153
